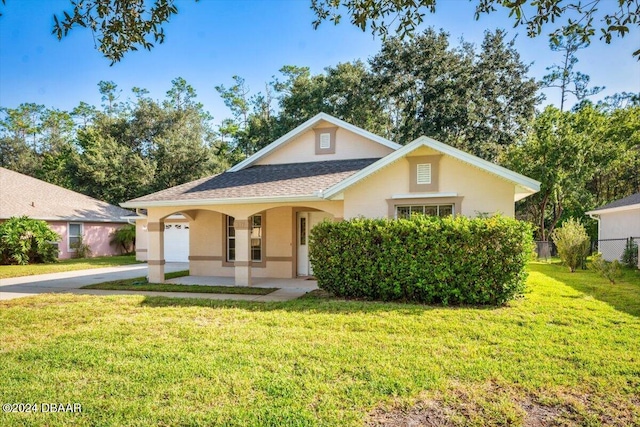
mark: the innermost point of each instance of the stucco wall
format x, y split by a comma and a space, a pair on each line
303, 149
481, 192
142, 239
617, 225
97, 235
207, 244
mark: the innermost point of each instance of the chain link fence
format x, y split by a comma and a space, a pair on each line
623, 250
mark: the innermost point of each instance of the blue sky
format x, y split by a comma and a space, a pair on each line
210, 41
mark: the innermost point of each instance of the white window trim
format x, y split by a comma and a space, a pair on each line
69, 249
453, 208
228, 238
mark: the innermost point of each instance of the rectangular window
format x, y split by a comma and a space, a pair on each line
325, 141
74, 235
303, 231
231, 239
256, 238
431, 210
424, 173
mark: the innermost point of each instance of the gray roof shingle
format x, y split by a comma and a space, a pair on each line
282, 180
633, 199
24, 195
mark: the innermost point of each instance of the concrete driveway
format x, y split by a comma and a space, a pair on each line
71, 281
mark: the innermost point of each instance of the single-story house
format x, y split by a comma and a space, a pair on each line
617, 221
254, 219
68, 213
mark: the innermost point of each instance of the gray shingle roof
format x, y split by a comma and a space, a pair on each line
24, 195
633, 199
291, 179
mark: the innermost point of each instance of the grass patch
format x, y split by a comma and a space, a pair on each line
565, 354
141, 284
7, 271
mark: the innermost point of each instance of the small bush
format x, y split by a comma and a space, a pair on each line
630, 254
80, 249
572, 242
609, 270
125, 238
26, 241
423, 259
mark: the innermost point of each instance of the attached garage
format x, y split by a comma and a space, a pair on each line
176, 238
176, 241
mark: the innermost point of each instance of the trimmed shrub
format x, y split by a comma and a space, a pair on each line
26, 241
572, 242
423, 259
609, 270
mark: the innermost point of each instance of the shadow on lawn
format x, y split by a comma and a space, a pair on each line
624, 295
309, 303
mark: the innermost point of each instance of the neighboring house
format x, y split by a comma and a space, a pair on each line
617, 221
254, 219
69, 214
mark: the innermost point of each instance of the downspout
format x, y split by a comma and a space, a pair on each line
597, 218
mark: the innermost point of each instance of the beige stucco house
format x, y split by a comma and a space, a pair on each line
254, 219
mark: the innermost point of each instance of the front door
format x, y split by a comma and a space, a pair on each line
306, 221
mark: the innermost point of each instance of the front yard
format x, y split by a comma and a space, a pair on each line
7, 271
568, 352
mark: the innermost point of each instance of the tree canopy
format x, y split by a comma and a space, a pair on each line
121, 26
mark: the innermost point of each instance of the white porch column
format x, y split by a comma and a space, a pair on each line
155, 251
243, 253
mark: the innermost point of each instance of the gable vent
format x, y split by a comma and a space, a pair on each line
424, 173
325, 141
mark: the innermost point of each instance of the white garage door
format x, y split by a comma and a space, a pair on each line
176, 241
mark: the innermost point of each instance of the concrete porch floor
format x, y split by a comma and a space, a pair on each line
287, 288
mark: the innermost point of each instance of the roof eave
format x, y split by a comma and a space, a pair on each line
616, 209
233, 201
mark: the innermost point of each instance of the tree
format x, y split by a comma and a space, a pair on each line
561, 159
480, 101
121, 26
612, 18
563, 76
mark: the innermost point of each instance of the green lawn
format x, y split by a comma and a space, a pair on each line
568, 353
141, 284
7, 271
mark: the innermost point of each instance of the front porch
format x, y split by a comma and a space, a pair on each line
243, 245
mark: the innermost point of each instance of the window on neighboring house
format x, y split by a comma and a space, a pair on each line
74, 235
432, 210
256, 238
424, 173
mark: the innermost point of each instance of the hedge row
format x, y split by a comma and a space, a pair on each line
423, 259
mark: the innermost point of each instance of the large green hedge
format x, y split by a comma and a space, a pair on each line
423, 259
26, 241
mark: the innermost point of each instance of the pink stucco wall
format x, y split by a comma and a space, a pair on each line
96, 234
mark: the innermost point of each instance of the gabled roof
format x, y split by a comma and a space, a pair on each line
24, 195
627, 203
524, 185
309, 124
260, 183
